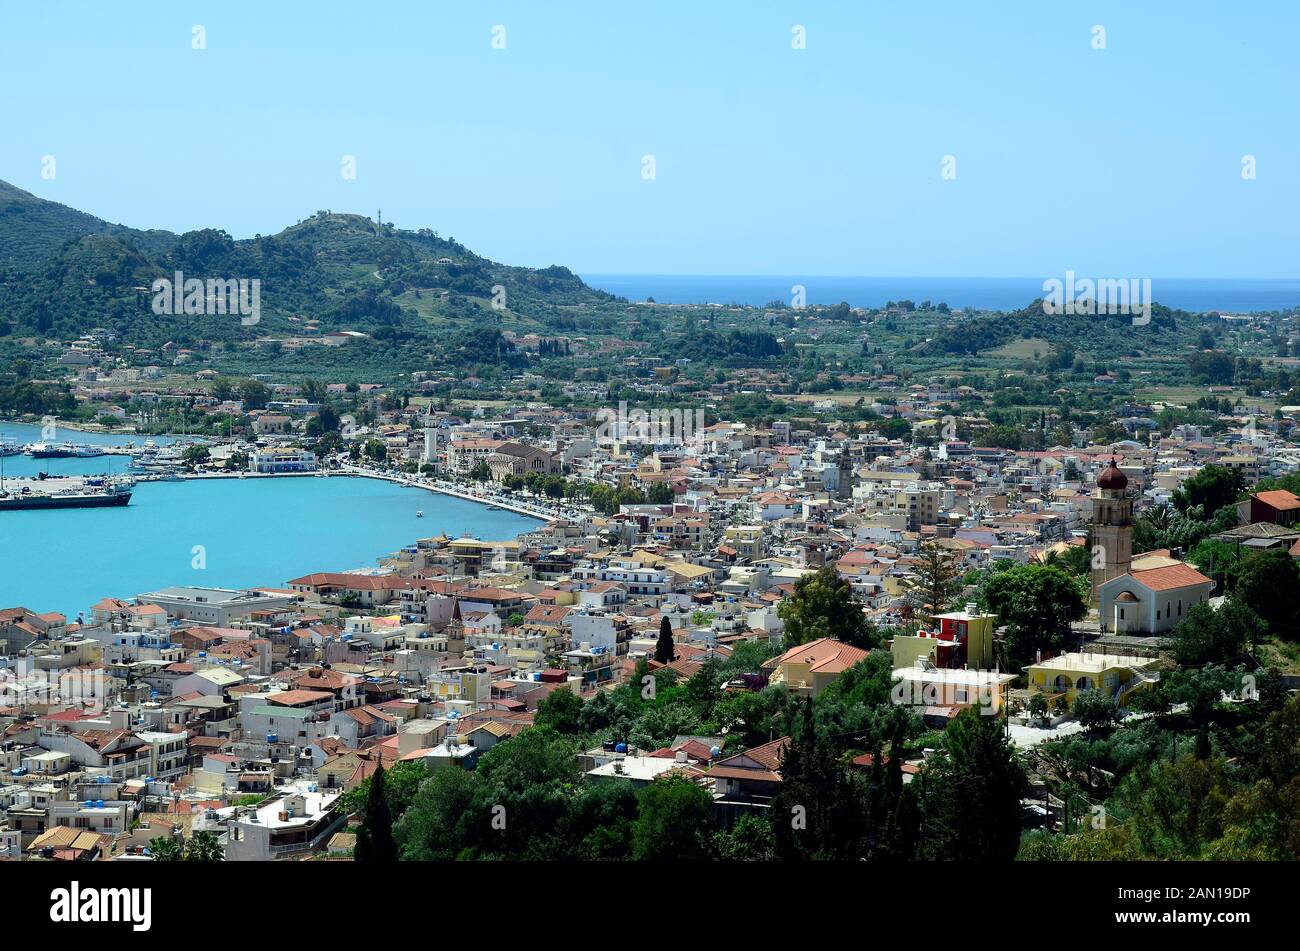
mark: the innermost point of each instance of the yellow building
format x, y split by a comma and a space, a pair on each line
1115, 675
959, 638
747, 540
809, 668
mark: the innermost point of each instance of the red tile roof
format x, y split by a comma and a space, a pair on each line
1280, 499
1169, 577
824, 655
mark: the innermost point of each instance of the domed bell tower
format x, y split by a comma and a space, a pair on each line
1112, 528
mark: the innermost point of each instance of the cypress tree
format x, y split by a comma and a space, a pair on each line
665, 650
375, 837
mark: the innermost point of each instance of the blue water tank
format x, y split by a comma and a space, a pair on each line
620, 748
99, 804
273, 737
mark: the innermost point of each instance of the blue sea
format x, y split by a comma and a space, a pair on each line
253, 531
991, 293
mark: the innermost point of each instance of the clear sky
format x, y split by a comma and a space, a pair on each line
768, 160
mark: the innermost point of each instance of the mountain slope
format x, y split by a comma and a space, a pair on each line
63, 272
31, 228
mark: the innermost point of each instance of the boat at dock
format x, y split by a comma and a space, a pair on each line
94, 492
62, 450
51, 450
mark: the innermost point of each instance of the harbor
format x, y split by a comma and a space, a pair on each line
225, 531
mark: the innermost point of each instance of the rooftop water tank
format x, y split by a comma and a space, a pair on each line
273, 737
620, 748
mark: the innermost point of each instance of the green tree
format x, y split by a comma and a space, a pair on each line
401, 781
1209, 636
449, 818
674, 822
560, 710
823, 605
749, 840
1269, 583
599, 824
165, 849
1211, 488
375, 837
665, 651
936, 583
204, 847
819, 813
1037, 707
1095, 711
1037, 603
970, 792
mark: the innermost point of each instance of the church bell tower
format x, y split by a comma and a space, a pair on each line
1112, 528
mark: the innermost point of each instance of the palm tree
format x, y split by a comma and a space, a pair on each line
204, 847
164, 849
1159, 517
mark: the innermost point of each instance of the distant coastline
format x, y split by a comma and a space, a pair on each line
1199, 295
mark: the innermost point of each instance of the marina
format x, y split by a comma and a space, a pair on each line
223, 530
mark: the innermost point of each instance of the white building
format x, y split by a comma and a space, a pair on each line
282, 460
1153, 600
297, 820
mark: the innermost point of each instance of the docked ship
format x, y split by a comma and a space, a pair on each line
93, 492
62, 450
51, 450
9, 448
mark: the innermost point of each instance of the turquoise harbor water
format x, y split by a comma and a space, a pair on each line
253, 531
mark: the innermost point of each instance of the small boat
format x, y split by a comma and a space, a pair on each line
419, 513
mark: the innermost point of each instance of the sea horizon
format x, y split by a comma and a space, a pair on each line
1200, 295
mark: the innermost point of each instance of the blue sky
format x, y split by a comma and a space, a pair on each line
768, 160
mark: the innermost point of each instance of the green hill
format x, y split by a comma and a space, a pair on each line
63, 272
